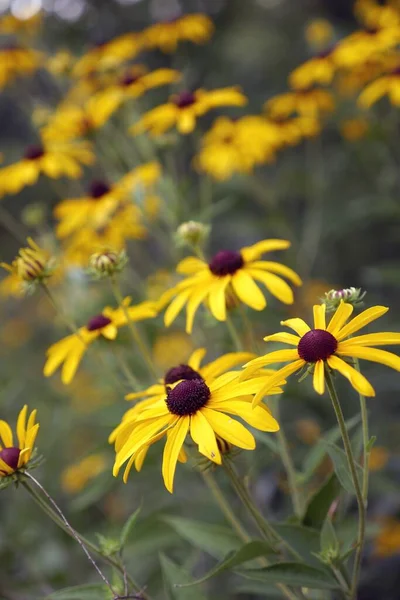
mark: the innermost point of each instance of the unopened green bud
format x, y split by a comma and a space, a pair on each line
350, 295
107, 263
192, 233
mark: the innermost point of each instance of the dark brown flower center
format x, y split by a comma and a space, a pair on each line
187, 397
98, 322
10, 456
226, 262
317, 344
185, 99
128, 79
98, 188
181, 372
33, 152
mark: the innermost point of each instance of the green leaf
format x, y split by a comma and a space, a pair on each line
304, 540
214, 539
293, 573
172, 574
81, 592
128, 527
341, 466
259, 588
321, 501
318, 452
247, 552
371, 442
329, 540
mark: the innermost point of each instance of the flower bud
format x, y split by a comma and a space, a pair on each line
350, 295
106, 263
192, 233
32, 265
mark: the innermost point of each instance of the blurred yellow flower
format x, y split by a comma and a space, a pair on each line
378, 458
196, 28
16, 61
53, 159
387, 541
292, 129
363, 45
33, 264
354, 129
9, 24
319, 33
171, 349
13, 458
229, 272
183, 109
60, 63
109, 55
387, 85
375, 14
318, 70
75, 477
308, 102
69, 351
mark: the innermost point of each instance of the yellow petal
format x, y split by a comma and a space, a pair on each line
191, 265
258, 417
140, 437
278, 268
217, 298
357, 380
340, 317
276, 286
285, 338
72, 361
139, 458
6, 434
253, 252
374, 355
176, 306
203, 435
361, 320
319, 316
298, 325
197, 297
224, 363
21, 427
196, 358
5, 469
109, 332
372, 339
247, 290
173, 446
319, 377
230, 430
276, 379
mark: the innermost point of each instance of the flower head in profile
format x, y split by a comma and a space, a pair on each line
329, 346
317, 70
194, 400
51, 159
31, 266
183, 110
229, 271
292, 129
108, 55
17, 61
196, 28
69, 351
107, 263
311, 102
15, 456
365, 45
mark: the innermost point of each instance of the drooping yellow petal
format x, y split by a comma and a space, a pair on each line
230, 430
224, 363
203, 435
176, 306
197, 297
274, 267
372, 339
5, 469
72, 362
298, 325
6, 434
319, 377
140, 436
357, 380
191, 265
340, 317
21, 427
139, 458
253, 252
319, 316
361, 320
380, 356
285, 338
274, 284
276, 379
196, 358
274, 357
109, 332
217, 298
173, 445
247, 290
258, 417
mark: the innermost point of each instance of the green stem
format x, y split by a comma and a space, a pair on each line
134, 331
234, 334
83, 542
353, 470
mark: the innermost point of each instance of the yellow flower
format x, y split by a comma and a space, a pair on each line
229, 272
13, 458
109, 55
362, 46
9, 24
196, 28
196, 399
171, 348
318, 70
327, 345
292, 130
133, 83
183, 109
378, 458
308, 102
237, 146
69, 351
32, 264
75, 477
319, 33
387, 85
54, 160
15, 61
354, 129
60, 63
97, 208
374, 14
387, 541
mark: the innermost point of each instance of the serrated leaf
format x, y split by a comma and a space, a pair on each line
318, 452
341, 466
173, 574
304, 540
321, 501
81, 592
214, 539
329, 540
295, 574
246, 553
128, 527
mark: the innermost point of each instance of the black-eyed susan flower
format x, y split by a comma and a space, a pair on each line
17, 61
52, 159
106, 263
317, 70
237, 146
69, 351
309, 102
293, 129
15, 457
377, 14
190, 399
387, 85
31, 266
229, 272
108, 55
329, 346
364, 45
183, 109
196, 28
103, 199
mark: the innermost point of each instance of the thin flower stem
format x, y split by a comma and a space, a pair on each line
234, 334
352, 466
248, 327
61, 522
134, 331
12, 226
